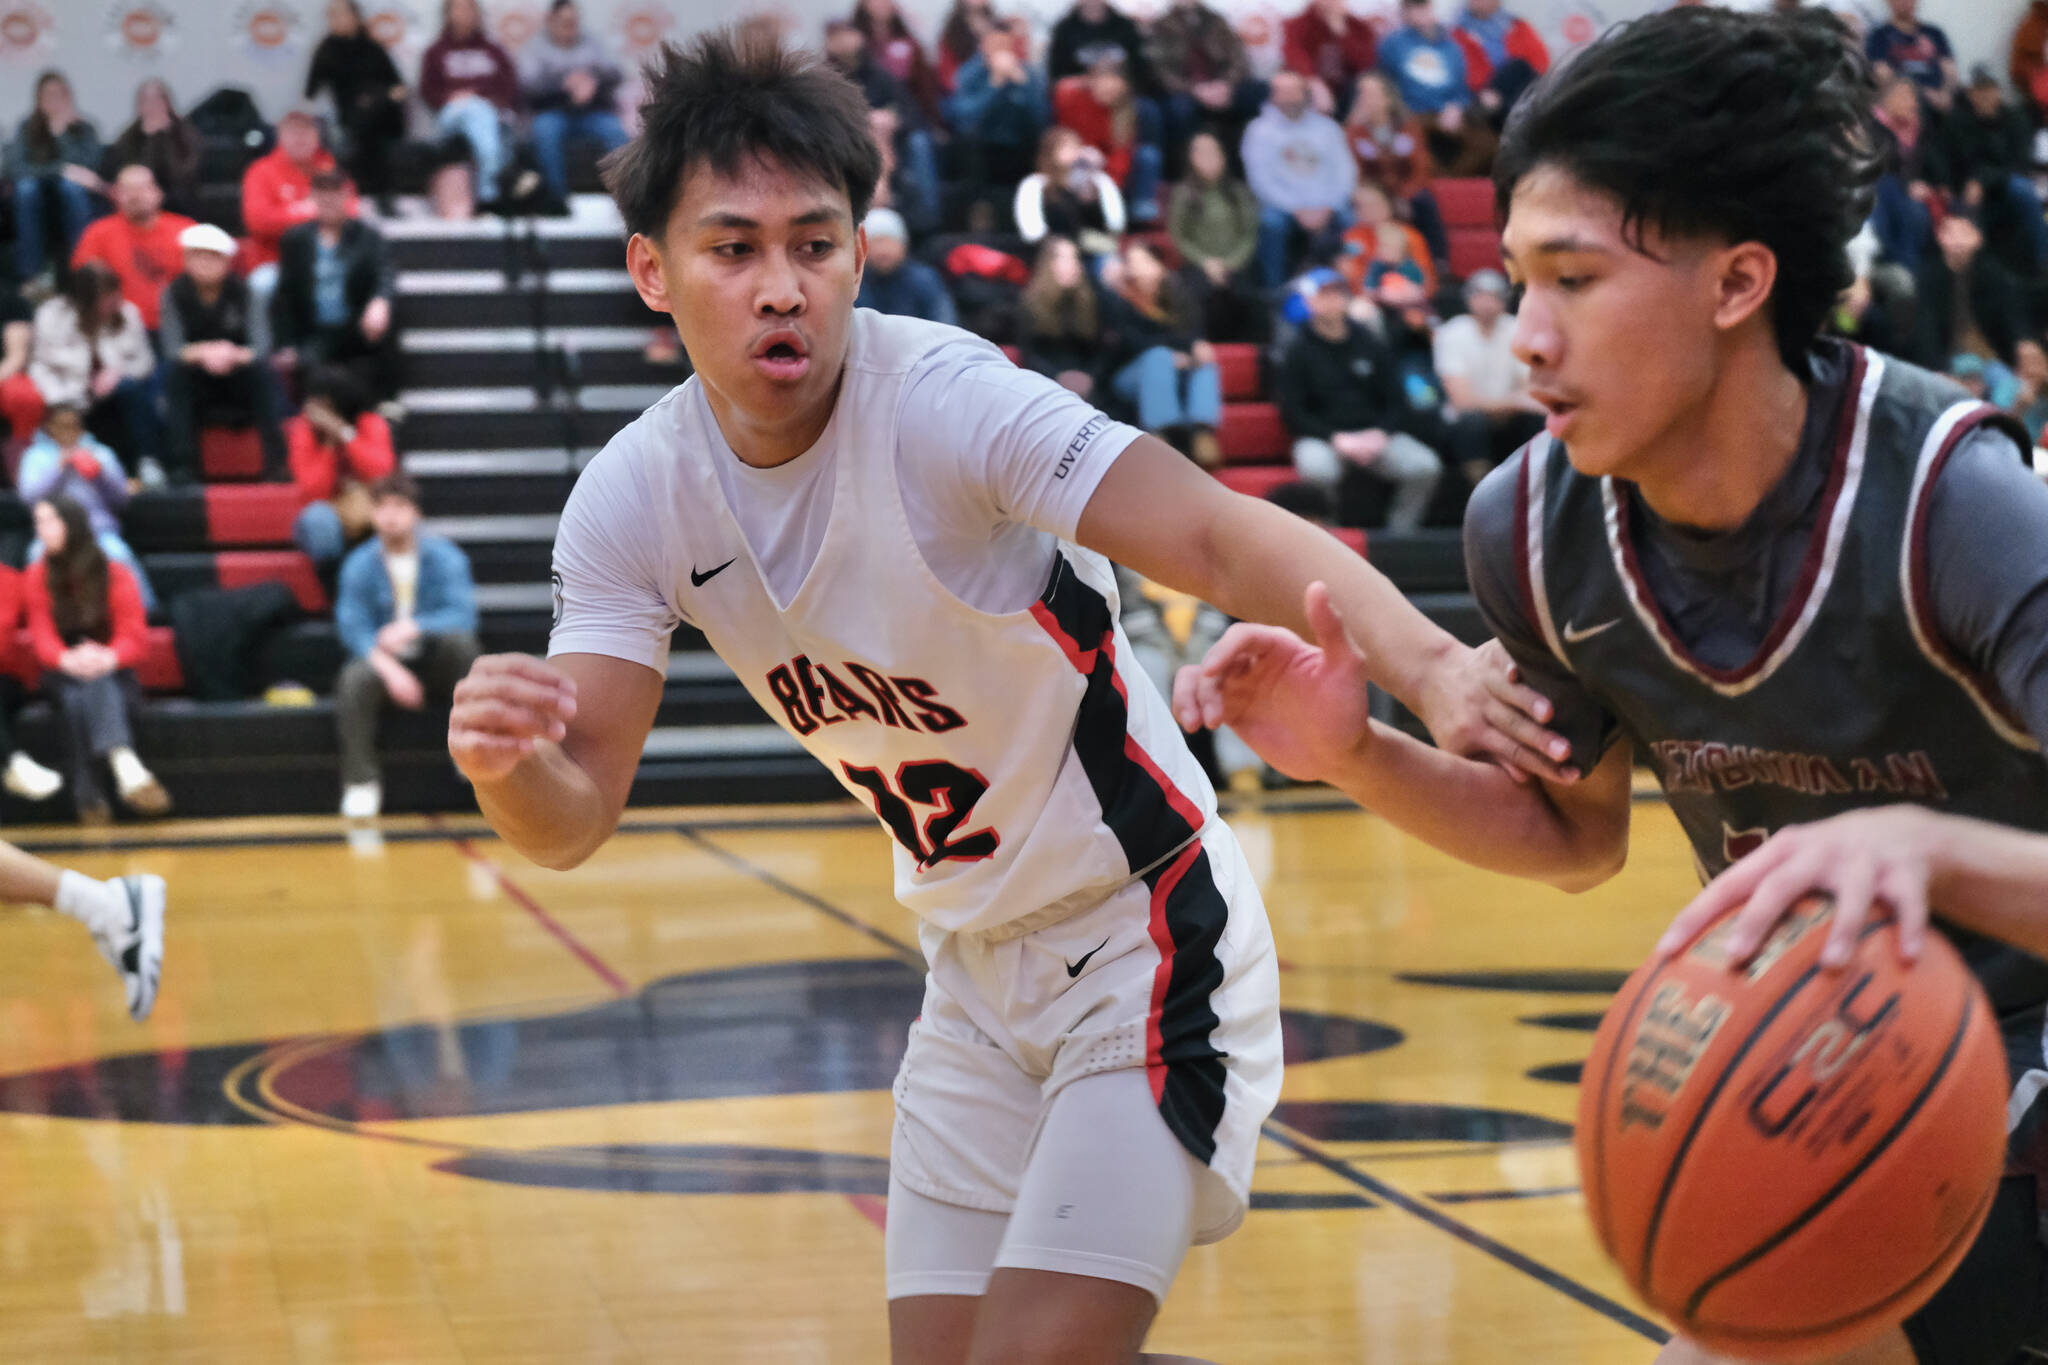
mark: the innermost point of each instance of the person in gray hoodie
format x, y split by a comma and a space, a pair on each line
572, 88
1301, 169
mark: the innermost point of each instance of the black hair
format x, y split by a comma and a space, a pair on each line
1708, 123
730, 98
77, 577
339, 389
396, 484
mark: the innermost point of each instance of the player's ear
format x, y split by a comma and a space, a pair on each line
643, 263
860, 252
1745, 276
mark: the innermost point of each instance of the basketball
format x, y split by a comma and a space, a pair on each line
1786, 1160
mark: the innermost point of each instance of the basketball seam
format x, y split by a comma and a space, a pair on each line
1849, 1177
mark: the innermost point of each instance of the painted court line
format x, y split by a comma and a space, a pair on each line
618, 984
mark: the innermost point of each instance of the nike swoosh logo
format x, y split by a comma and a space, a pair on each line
1074, 968
698, 580
1573, 635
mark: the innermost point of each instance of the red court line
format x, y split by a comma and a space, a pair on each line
518, 893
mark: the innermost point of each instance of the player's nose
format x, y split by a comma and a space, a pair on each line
1536, 342
778, 289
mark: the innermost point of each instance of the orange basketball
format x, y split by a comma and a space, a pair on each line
1787, 1160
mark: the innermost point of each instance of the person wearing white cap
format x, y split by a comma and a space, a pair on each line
893, 283
212, 337
1475, 359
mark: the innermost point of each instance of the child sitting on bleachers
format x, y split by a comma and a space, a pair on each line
64, 460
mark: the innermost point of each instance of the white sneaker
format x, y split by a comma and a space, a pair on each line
150, 474
362, 800
30, 780
137, 950
138, 788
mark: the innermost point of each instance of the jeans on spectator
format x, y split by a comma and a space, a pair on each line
1278, 233
95, 715
1904, 227
74, 208
1167, 396
552, 129
919, 157
2023, 205
476, 119
126, 420
359, 696
116, 549
1412, 467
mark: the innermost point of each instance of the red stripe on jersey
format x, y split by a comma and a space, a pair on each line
1162, 976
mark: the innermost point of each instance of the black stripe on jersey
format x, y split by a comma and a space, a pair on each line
1185, 1068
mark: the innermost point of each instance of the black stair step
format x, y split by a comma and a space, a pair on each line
519, 308
510, 254
1430, 561
483, 495
530, 368
509, 561
557, 428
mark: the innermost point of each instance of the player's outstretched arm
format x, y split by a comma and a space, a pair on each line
551, 747
1989, 878
1302, 707
1160, 515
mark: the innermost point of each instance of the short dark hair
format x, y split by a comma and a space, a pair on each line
338, 387
1709, 123
396, 484
728, 98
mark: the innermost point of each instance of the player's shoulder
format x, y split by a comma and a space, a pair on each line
1492, 521
620, 479
884, 344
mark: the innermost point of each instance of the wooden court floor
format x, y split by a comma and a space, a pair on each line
409, 1099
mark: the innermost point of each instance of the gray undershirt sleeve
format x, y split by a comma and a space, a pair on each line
1493, 553
1987, 560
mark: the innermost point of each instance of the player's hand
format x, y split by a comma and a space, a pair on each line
1868, 860
1479, 708
507, 704
1298, 705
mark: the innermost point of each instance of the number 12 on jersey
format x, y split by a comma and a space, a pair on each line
947, 786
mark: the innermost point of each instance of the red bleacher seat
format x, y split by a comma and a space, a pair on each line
241, 568
1237, 365
1464, 202
1474, 250
1256, 480
251, 514
230, 453
1252, 433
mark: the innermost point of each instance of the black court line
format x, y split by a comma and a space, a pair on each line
1280, 1133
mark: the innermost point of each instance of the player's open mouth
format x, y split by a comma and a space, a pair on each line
782, 355
1562, 412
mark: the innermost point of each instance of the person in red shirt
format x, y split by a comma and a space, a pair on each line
1332, 47
277, 195
138, 241
472, 87
338, 447
1504, 54
1107, 115
86, 623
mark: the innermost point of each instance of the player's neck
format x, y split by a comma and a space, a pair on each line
1716, 463
767, 440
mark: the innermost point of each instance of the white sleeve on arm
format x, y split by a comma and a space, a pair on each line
610, 588
989, 442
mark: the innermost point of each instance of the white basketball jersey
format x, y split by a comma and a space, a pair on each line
1019, 761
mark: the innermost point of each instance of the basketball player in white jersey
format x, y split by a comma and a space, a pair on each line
125, 916
879, 523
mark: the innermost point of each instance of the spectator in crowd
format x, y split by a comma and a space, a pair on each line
352, 67
892, 282
1102, 108
1482, 377
23, 776
897, 51
53, 163
1059, 323
406, 613
277, 195
1968, 304
1204, 73
1902, 214
2029, 65
1392, 147
960, 37
2030, 401
138, 241
1169, 631
86, 620
1427, 66
1300, 167
92, 352
1331, 47
1504, 54
902, 187
21, 406
1070, 195
1920, 52
1214, 222
1340, 393
334, 292
572, 86
1084, 31
1374, 235
339, 448
997, 110
902, 132
1155, 360
1989, 150
214, 341
472, 87
63, 461
165, 141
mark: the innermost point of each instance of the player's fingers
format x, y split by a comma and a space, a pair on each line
1187, 708
524, 666
502, 718
1905, 890
1327, 623
1796, 874
1721, 895
1241, 641
513, 690
1536, 750
1855, 888
1503, 680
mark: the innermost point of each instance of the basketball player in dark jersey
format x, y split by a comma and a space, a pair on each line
1806, 582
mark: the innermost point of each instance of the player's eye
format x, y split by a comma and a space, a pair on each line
1572, 284
823, 246
731, 250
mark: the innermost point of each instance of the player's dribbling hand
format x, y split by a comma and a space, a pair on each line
507, 705
1298, 705
1881, 859
1480, 708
